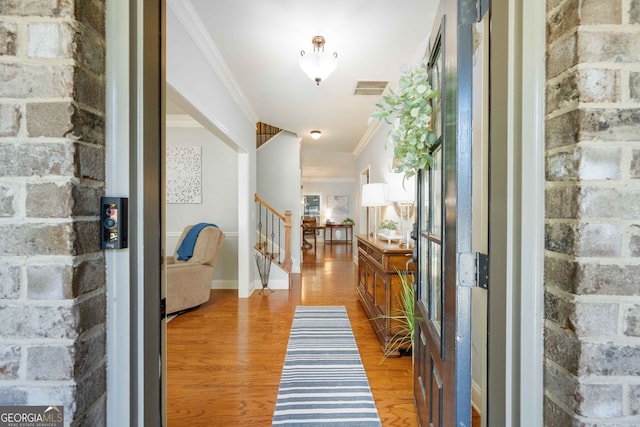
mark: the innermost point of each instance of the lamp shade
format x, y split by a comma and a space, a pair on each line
374, 195
400, 189
318, 65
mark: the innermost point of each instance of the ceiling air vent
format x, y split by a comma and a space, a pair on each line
370, 88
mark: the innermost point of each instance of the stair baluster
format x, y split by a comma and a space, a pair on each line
269, 241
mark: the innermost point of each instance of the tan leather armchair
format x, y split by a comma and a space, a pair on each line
189, 282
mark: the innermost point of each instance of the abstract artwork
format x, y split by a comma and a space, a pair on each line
338, 204
184, 175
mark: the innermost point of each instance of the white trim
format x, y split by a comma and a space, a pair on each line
344, 179
277, 284
188, 17
181, 121
274, 285
245, 250
224, 284
366, 138
117, 184
532, 214
212, 124
476, 397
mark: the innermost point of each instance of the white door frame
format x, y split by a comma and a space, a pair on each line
519, 346
532, 138
516, 254
134, 138
117, 183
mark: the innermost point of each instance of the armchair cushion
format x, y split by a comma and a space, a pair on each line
188, 243
189, 282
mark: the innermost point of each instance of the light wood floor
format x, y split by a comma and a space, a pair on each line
224, 359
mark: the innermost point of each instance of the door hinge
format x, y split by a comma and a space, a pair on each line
473, 269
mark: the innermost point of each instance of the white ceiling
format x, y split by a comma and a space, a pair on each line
261, 42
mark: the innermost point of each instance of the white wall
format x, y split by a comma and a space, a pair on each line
279, 182
332, 187
208, 93
378, 159
219, 199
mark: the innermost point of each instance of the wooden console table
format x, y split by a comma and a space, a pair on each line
379, 284
348, 232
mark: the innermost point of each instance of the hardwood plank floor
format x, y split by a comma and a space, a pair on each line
224, 360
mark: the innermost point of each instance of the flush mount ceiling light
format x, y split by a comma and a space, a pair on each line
318, 64
315, 134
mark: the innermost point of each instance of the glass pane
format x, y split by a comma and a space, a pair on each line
424, 209
423, 289
312, 206
436, 194
436, 80
435, 284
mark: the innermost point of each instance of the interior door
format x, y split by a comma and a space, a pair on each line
445, 262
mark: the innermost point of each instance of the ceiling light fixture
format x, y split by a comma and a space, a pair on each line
315, 134
318, 64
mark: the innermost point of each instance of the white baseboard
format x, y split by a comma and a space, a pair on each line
276, 284
224, 284
476, 397
256, 285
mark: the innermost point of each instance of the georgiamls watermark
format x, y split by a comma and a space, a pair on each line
31, 416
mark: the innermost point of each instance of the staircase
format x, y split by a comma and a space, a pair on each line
265, 132
273, 235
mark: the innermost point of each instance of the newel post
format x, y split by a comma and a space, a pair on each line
287, 241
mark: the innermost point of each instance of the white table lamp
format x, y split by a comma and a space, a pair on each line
402, 192
374, 196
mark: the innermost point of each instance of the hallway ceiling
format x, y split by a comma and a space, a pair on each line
261, 41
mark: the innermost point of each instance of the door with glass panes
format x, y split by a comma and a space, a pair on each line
442, 340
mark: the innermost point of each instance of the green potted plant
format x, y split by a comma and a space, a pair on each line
403, 316
388, 227
348, 221
408, 110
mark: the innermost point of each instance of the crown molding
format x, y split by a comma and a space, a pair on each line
187, 16
366, 138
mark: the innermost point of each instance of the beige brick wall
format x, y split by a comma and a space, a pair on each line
592, 239
52, 272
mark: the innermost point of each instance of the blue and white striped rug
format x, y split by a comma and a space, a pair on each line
323, 380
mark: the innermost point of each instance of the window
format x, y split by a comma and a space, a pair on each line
311, 207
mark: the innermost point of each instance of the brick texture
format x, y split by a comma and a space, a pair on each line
52, 271
9, 282
9, 361
8, 36
592, 195
632, 321
37, 8
10, 117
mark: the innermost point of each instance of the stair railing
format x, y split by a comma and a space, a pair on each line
264, 133
273, 234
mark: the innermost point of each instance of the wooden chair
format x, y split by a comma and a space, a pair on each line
308, 229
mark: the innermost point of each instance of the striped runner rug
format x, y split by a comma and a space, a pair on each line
323, 380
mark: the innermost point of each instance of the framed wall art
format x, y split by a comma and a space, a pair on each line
184, 175
338, 204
